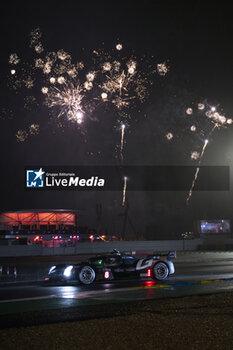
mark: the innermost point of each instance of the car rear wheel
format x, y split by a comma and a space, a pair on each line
160, 271
86, 275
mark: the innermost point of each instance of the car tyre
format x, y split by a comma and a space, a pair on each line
86, 275
161, 271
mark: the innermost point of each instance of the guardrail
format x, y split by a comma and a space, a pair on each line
97, 247
102, 247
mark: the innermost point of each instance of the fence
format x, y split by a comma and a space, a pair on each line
102, 247
99, 247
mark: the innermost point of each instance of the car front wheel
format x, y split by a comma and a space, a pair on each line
160, 271
86, 275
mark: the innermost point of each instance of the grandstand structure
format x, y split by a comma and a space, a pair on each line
43, 221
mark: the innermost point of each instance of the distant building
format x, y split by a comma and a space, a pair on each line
45, 220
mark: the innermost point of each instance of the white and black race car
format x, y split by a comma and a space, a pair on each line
113, 266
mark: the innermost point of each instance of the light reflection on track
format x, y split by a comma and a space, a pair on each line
190, 279
44, 297
146, 289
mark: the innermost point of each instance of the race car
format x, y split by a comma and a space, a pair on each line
113, 266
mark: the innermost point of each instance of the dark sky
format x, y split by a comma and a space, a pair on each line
195, 38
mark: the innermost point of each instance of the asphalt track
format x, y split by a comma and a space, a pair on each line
191, 278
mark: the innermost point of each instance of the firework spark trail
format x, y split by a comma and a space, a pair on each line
124, 191
122, 141
196, 173
199, 163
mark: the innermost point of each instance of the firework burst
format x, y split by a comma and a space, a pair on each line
169, 136
67, 99
124, 83
73, 92
217, 121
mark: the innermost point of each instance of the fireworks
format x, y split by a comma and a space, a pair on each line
88, 85
124, 191
199, 163
73, 90
211, 113
117, 86
114, 79
104, 96
62, 55
35, 36
132, 65
208, 119
68, 99
201, 106
14, 59
162, 68
195, 155
29, 83
90, 76
39, 48
44, 90
21, 135
124, 83
193, 128
61, 80
34, 129
197, 171
216, 117
169, 136
189, 111
79, 116
119, 47
107, 67
122, 140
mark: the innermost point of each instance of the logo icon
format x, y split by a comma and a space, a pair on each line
35, 178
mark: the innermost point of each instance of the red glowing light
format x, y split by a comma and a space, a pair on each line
148, 284
56, 237
74, 237
17, 237
91, 237
46, 278
149, 273
106, 274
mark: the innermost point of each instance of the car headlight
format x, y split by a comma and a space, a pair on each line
51, 270
67, 271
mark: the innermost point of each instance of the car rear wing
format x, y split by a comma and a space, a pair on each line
170, 255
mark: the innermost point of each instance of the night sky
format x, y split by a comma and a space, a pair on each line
196, 41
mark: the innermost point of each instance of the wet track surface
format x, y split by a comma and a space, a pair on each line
190, 279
